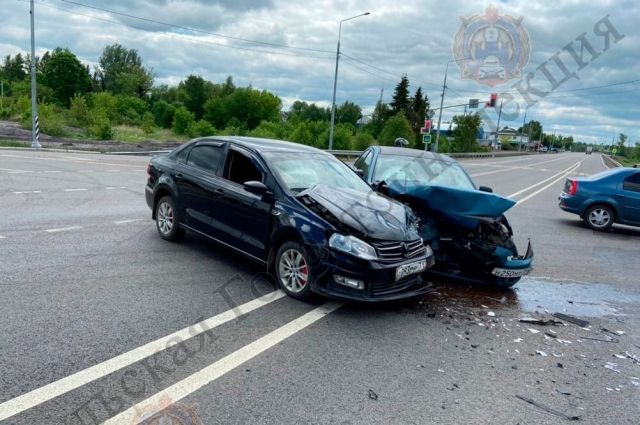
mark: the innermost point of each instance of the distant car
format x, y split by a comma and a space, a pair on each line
554, 150
589, 150
299, 211
543, 149
609, 197
465, 225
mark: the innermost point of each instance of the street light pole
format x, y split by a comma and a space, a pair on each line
35, 126
522, 132
498, 127
335, 79
444, 87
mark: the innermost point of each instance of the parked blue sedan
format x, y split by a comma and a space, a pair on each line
609, 197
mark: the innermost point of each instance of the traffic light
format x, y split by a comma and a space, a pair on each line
492, 100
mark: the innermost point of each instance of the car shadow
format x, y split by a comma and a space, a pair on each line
616, 229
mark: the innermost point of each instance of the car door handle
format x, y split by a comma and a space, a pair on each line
219, 193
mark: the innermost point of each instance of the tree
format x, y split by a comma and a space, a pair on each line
195, 90
418, 110
120, 71
65, 75
381, 113
182, 120
536, 130
348, 113
466, 131
308, 112
401, 102
396, 126
14, 69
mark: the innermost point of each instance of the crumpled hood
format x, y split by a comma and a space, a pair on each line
451, 202
369, 213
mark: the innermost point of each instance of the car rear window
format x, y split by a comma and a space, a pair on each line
206, 157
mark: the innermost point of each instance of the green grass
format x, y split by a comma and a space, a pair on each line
626, 161
14, 144
131, 134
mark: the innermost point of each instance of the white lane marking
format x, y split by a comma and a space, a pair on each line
123, 187
113, 171
19, 172
26, 192
53, 171
40, 395
194, 382
63, 229
133, 220
40, 158
526, 189
526, 198
75, 190
3, 237
13, 170
110, 188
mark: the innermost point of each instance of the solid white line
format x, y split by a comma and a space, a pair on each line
526, 198
526, 189
63, 229
110, 188
75, 190
53, 171
40, 395
27, 191
13, 170
3, 237
215, 370
133, 220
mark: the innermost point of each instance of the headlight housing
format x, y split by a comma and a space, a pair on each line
353, 246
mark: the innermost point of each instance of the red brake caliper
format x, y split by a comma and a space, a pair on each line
304, 270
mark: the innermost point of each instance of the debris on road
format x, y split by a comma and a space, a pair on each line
534, 331
373, 395
548, 409
491, 314
541, 322
541, 353
606, 338
563, 390
633, 357
551, 334
571, 319
612, 366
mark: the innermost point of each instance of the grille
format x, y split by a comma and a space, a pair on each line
389, 252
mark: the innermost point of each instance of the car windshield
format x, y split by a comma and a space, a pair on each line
300, 171
424, 170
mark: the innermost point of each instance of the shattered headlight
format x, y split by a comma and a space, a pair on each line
352, 245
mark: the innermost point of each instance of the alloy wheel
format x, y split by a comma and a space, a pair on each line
165, 218
293, 270
599, 217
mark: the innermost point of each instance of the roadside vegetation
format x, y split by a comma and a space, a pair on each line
118, 100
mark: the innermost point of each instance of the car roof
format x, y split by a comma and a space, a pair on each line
258, 144
610, 173
415, 153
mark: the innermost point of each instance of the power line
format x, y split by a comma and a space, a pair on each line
182, 37
386, 71
351, 64
557, 91
246, 40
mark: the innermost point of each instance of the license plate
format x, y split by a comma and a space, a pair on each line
411, 268
510, 273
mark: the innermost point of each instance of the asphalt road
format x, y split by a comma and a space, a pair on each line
101, 320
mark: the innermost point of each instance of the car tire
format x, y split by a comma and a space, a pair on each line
599, 217
167, 220
293, 271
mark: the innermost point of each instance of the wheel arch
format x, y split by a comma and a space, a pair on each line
161, 192
604, 202
283, 235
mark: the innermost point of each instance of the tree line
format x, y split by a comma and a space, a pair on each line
76, 101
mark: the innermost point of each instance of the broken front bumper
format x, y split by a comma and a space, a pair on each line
514, 267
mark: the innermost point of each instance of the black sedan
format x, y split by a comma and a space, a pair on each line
299, 211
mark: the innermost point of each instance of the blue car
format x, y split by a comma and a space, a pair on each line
464, 224
301, 213
609, 197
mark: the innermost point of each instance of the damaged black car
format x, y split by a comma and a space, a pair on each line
302, 213
465, 225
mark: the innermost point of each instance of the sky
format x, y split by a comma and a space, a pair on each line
289, 48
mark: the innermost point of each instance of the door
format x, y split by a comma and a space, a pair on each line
363, 165
629, 198
246, 215
199, 187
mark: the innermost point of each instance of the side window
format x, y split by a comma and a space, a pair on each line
363, 163
206, 157
632, 183
181, 157
241, 169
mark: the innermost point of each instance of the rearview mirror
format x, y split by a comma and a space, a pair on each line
485, 189
255, 187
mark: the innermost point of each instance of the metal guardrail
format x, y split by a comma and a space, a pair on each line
355, 154
610, 162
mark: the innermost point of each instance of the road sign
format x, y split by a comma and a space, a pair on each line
614, 150
427, 127
426, 139
473, 103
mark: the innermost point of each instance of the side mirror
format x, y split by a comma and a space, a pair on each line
485, 189
255, 187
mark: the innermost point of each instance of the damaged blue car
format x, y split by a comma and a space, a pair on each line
465, 225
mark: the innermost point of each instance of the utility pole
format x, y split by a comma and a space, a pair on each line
1, 94
35, 125
381, 93
497, 127
522, 132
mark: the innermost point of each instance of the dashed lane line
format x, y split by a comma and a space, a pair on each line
526, 198
194, 382
80, 189
3, 237
43, 394
133, 220
63, 229
27, 192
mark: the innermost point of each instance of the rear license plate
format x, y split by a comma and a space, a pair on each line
411, 268
510, 273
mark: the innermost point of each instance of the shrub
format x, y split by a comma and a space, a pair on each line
182, 120
362, 141
396, 126
163, 113
130, 109
148, 123
100, 127
79, 112
201, 128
